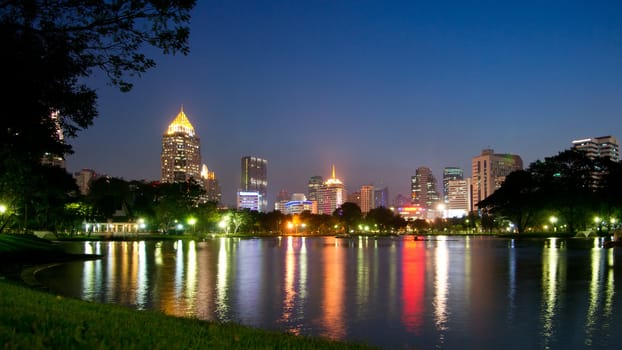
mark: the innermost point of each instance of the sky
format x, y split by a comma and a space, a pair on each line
377, 88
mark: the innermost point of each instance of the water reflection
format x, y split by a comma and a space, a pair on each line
396, 293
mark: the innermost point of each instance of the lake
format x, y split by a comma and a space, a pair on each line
450, 292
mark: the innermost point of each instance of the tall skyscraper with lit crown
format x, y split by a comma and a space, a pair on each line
181, 153
331, 195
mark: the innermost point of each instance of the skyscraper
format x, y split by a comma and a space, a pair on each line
315, 182
331, 195
449, 174
381, 197
599, 147
489, 171
211, 185
458, 198
181, 153
255, 178
423, 188
367, 198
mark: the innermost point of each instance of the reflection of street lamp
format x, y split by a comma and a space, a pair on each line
553, 221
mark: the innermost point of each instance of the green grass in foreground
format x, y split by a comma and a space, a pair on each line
32, 319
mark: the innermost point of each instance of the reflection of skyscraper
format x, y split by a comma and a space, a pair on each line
423, 188
331, 195
255, 178
181, 154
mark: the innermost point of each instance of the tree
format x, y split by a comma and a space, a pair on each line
349, 214
382, 217
50, 47
516, 200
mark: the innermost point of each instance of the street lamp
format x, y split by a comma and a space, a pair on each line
598, 220
553, 221
2, 209
191, 222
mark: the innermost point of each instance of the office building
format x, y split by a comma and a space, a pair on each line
315, 182
458, 198
331, 195
381, 197
367, 198
211, 185
255, 178
84, 178
599, 147
250, 200
449, 174
181, 153
489, 170
423, 188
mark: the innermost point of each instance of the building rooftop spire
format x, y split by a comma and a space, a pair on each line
181, 124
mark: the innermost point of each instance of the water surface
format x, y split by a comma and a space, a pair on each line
445, 292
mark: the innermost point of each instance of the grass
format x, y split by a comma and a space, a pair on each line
34, 319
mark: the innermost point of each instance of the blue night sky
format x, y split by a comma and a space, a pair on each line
378, 88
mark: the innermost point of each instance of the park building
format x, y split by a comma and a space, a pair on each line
489, 170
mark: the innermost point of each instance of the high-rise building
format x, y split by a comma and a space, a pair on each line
458, 198
211, 185
315, 182
84, 178
599, 147
354, 197
331, 195
449, 174
423, 188
50, 159
367, 198
381, 197
489, 171
181, 153
255, 178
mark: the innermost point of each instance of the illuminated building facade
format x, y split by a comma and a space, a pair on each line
599, 147
181, 154
331, 195
367, 198
51, 159
449, 174
250, 200
315, 182
255, 178
458, 198
211, 185
423, 188
489, 171
381, 197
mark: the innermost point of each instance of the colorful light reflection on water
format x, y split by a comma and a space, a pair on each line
395, 292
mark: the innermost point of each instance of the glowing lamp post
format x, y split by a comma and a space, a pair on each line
598, 221
553, 221
192, 222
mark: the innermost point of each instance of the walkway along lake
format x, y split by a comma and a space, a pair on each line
445, 292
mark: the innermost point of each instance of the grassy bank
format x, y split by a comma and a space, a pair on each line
34, 319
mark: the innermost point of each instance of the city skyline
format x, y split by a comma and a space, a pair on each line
379, 89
